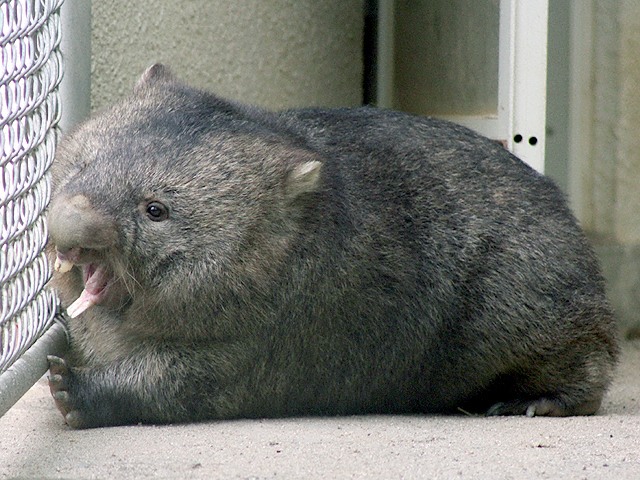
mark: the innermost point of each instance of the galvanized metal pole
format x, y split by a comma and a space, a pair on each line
31, 365
75, 89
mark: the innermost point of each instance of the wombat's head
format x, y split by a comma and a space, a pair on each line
170, 196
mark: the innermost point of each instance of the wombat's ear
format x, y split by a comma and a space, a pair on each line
155, 75
303, 177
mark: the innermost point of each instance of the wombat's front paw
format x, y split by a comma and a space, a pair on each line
59, 380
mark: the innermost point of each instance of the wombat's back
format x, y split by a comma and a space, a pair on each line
461, 252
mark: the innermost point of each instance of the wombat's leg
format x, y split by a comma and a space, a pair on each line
153, 387
544, 407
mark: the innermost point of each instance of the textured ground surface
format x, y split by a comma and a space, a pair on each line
34, 443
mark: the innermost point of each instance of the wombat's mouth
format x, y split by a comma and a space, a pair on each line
96, 284
96, 278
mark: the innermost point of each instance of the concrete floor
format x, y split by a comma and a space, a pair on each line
35, 444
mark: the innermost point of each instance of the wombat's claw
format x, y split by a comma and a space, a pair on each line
56, 381
544, 407
61, 397
57, 365
496, 410
74, 419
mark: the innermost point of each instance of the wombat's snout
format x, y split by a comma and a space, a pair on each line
74, 224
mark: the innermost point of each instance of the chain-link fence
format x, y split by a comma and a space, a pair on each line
30, 72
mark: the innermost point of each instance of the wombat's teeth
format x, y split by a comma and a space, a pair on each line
62, 266
83, 303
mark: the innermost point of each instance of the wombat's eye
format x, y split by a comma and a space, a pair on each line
157, 212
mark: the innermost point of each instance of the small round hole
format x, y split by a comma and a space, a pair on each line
533, 140
517, 138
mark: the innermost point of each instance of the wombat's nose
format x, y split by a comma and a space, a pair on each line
73, 222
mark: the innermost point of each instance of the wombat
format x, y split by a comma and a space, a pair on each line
224, 261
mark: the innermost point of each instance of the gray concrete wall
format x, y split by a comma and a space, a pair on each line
627, 179
605, 177
275, 53
608, 189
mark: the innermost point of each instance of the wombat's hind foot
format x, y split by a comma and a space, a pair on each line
548, 407
59, 375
